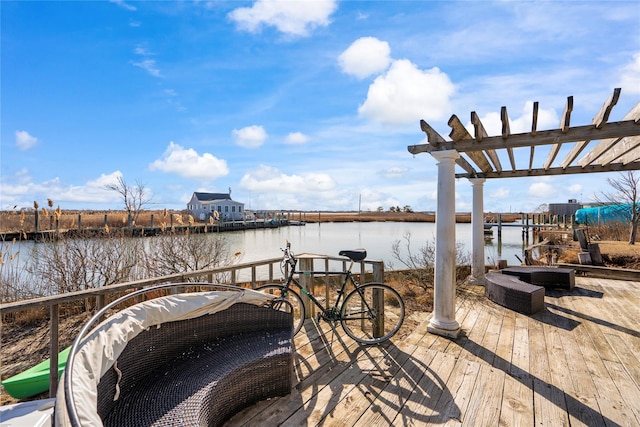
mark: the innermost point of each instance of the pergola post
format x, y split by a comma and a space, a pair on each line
477, 230
443, 320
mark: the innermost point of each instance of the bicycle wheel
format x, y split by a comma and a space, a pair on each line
372, 313
294, 300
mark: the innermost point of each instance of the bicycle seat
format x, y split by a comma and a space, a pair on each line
354, 255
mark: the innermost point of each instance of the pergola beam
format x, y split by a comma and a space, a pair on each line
534, 129
481, 133
546, 137
606, 144
506, 133
459, 132
437, 141
572, 170
598, 121
565, 125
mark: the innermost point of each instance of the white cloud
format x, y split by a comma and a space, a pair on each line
365, 57
290, 17
124, 5
630, 78
270, 179
147, 64
14, 188
500, 193
406, 94
542, 190
250, 136
189, 164
575, 189
394, 172
24, 140
296, 138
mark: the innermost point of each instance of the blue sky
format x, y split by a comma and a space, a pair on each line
294, 104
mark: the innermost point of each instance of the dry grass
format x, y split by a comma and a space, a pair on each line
52, 219
16, 221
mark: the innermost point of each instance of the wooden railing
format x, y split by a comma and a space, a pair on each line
100, 294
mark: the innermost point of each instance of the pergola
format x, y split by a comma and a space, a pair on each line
616, 147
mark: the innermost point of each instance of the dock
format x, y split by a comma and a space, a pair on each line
574, 363
145, 231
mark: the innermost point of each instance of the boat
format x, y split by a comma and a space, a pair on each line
297, 223
34, 380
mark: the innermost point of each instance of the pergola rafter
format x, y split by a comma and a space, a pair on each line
616, 148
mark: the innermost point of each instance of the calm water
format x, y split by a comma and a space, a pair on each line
329, 238
376, 237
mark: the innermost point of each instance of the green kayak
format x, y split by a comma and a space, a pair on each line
34, 380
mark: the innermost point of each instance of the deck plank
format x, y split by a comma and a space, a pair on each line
575, 363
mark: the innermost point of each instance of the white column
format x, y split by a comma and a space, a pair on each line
477, 230
443, 321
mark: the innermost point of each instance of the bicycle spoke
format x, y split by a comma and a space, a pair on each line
373, 313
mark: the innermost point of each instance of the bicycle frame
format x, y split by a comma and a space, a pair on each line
362, 312
292, 262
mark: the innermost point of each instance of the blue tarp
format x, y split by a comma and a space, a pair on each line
600, 215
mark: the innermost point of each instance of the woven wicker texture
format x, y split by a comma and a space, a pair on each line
510, 292
200, 371
549, 277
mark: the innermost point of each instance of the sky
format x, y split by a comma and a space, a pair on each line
295, 105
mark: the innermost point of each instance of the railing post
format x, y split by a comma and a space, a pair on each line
253, 276
53, 350
378, 272
326, 283
306, 264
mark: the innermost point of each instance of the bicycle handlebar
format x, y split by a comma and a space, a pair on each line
289, 257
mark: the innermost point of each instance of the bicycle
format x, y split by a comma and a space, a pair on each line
370, 314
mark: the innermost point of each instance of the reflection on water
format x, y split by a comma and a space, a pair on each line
376, 237
330, 238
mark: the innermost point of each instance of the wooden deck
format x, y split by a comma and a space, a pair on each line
576, 363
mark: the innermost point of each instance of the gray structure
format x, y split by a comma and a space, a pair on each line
216, 205
564, 209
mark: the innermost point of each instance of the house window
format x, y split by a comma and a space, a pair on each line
226, 208
233, 209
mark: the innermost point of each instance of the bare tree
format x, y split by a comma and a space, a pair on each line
420, 264
625, 195
134, 197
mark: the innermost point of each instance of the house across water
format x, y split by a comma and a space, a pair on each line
220, 206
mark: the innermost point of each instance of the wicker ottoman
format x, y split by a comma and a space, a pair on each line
510, 292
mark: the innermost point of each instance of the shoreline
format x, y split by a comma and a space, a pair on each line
464, 217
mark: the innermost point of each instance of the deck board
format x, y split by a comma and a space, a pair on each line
575, 363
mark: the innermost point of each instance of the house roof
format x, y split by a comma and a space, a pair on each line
208, 197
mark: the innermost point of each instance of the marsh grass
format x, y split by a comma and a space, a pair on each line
24, 220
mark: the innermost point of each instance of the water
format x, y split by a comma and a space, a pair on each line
376, 237
330, 238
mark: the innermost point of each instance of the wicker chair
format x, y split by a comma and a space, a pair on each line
213, 355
